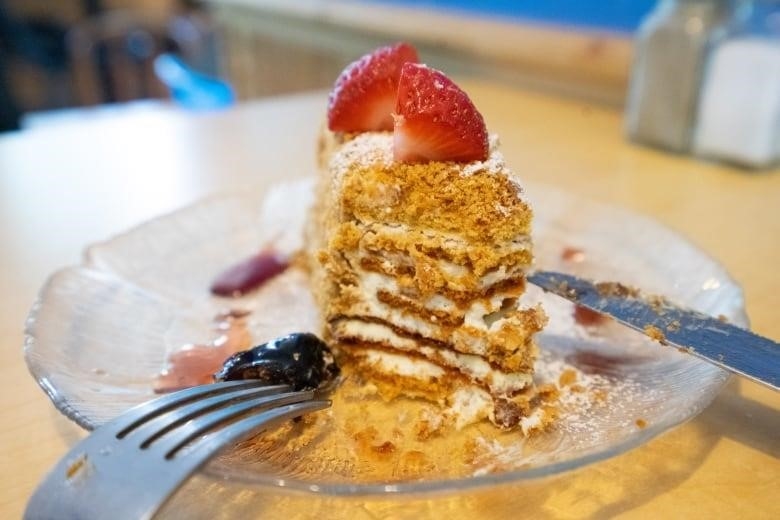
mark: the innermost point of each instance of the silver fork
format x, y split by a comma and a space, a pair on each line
129, 467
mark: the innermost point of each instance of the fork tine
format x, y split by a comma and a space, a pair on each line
153, 428
136, 416
175, 439
207, 447
239, 430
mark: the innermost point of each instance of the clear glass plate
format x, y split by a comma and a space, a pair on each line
101, 331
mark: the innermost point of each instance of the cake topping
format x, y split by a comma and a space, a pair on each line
364, 96
435, 120
301, 360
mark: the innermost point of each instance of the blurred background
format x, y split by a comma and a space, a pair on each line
87, 52
664, 62
75, 53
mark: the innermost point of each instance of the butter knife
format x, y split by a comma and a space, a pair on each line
727, 346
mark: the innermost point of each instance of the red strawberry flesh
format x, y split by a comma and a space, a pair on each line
364, 96
435, 120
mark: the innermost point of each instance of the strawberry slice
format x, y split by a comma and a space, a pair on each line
363, 98
435, 120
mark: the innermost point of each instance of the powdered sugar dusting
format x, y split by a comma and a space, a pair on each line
585, 398
372, 149
594, 385
494, 164
366, 150
586, 406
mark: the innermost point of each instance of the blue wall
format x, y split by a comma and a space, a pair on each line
613, 15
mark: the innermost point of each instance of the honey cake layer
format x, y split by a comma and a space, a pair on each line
360, 331
481, 201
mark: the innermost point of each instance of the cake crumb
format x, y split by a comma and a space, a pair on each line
657, 303
384, 448
600, 396
429, 424
654, 333
414, 464
617, 290
674, 326
567, 377
641, 423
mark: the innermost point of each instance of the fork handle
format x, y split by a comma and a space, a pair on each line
78, 487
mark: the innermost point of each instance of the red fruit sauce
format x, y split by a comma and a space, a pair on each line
597, 363
195, 364
572, 254
249, 274
587, 317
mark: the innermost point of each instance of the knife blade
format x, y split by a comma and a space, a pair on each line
727, 346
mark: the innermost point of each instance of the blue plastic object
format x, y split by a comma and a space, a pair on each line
191, 89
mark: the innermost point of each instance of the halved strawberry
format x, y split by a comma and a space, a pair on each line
435, 120
363, 98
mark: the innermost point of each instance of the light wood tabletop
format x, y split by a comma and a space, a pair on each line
78, 180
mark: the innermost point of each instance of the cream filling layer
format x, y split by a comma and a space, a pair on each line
446, 240
451, 243
372, 283
457, 277
472, 366
466, 405
403, 365
469, 405
482, 318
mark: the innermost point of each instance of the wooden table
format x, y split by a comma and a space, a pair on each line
76, 181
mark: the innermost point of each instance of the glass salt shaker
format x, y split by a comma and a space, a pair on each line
739, 109
670, 50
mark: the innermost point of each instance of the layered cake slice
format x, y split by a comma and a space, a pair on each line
418, 244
